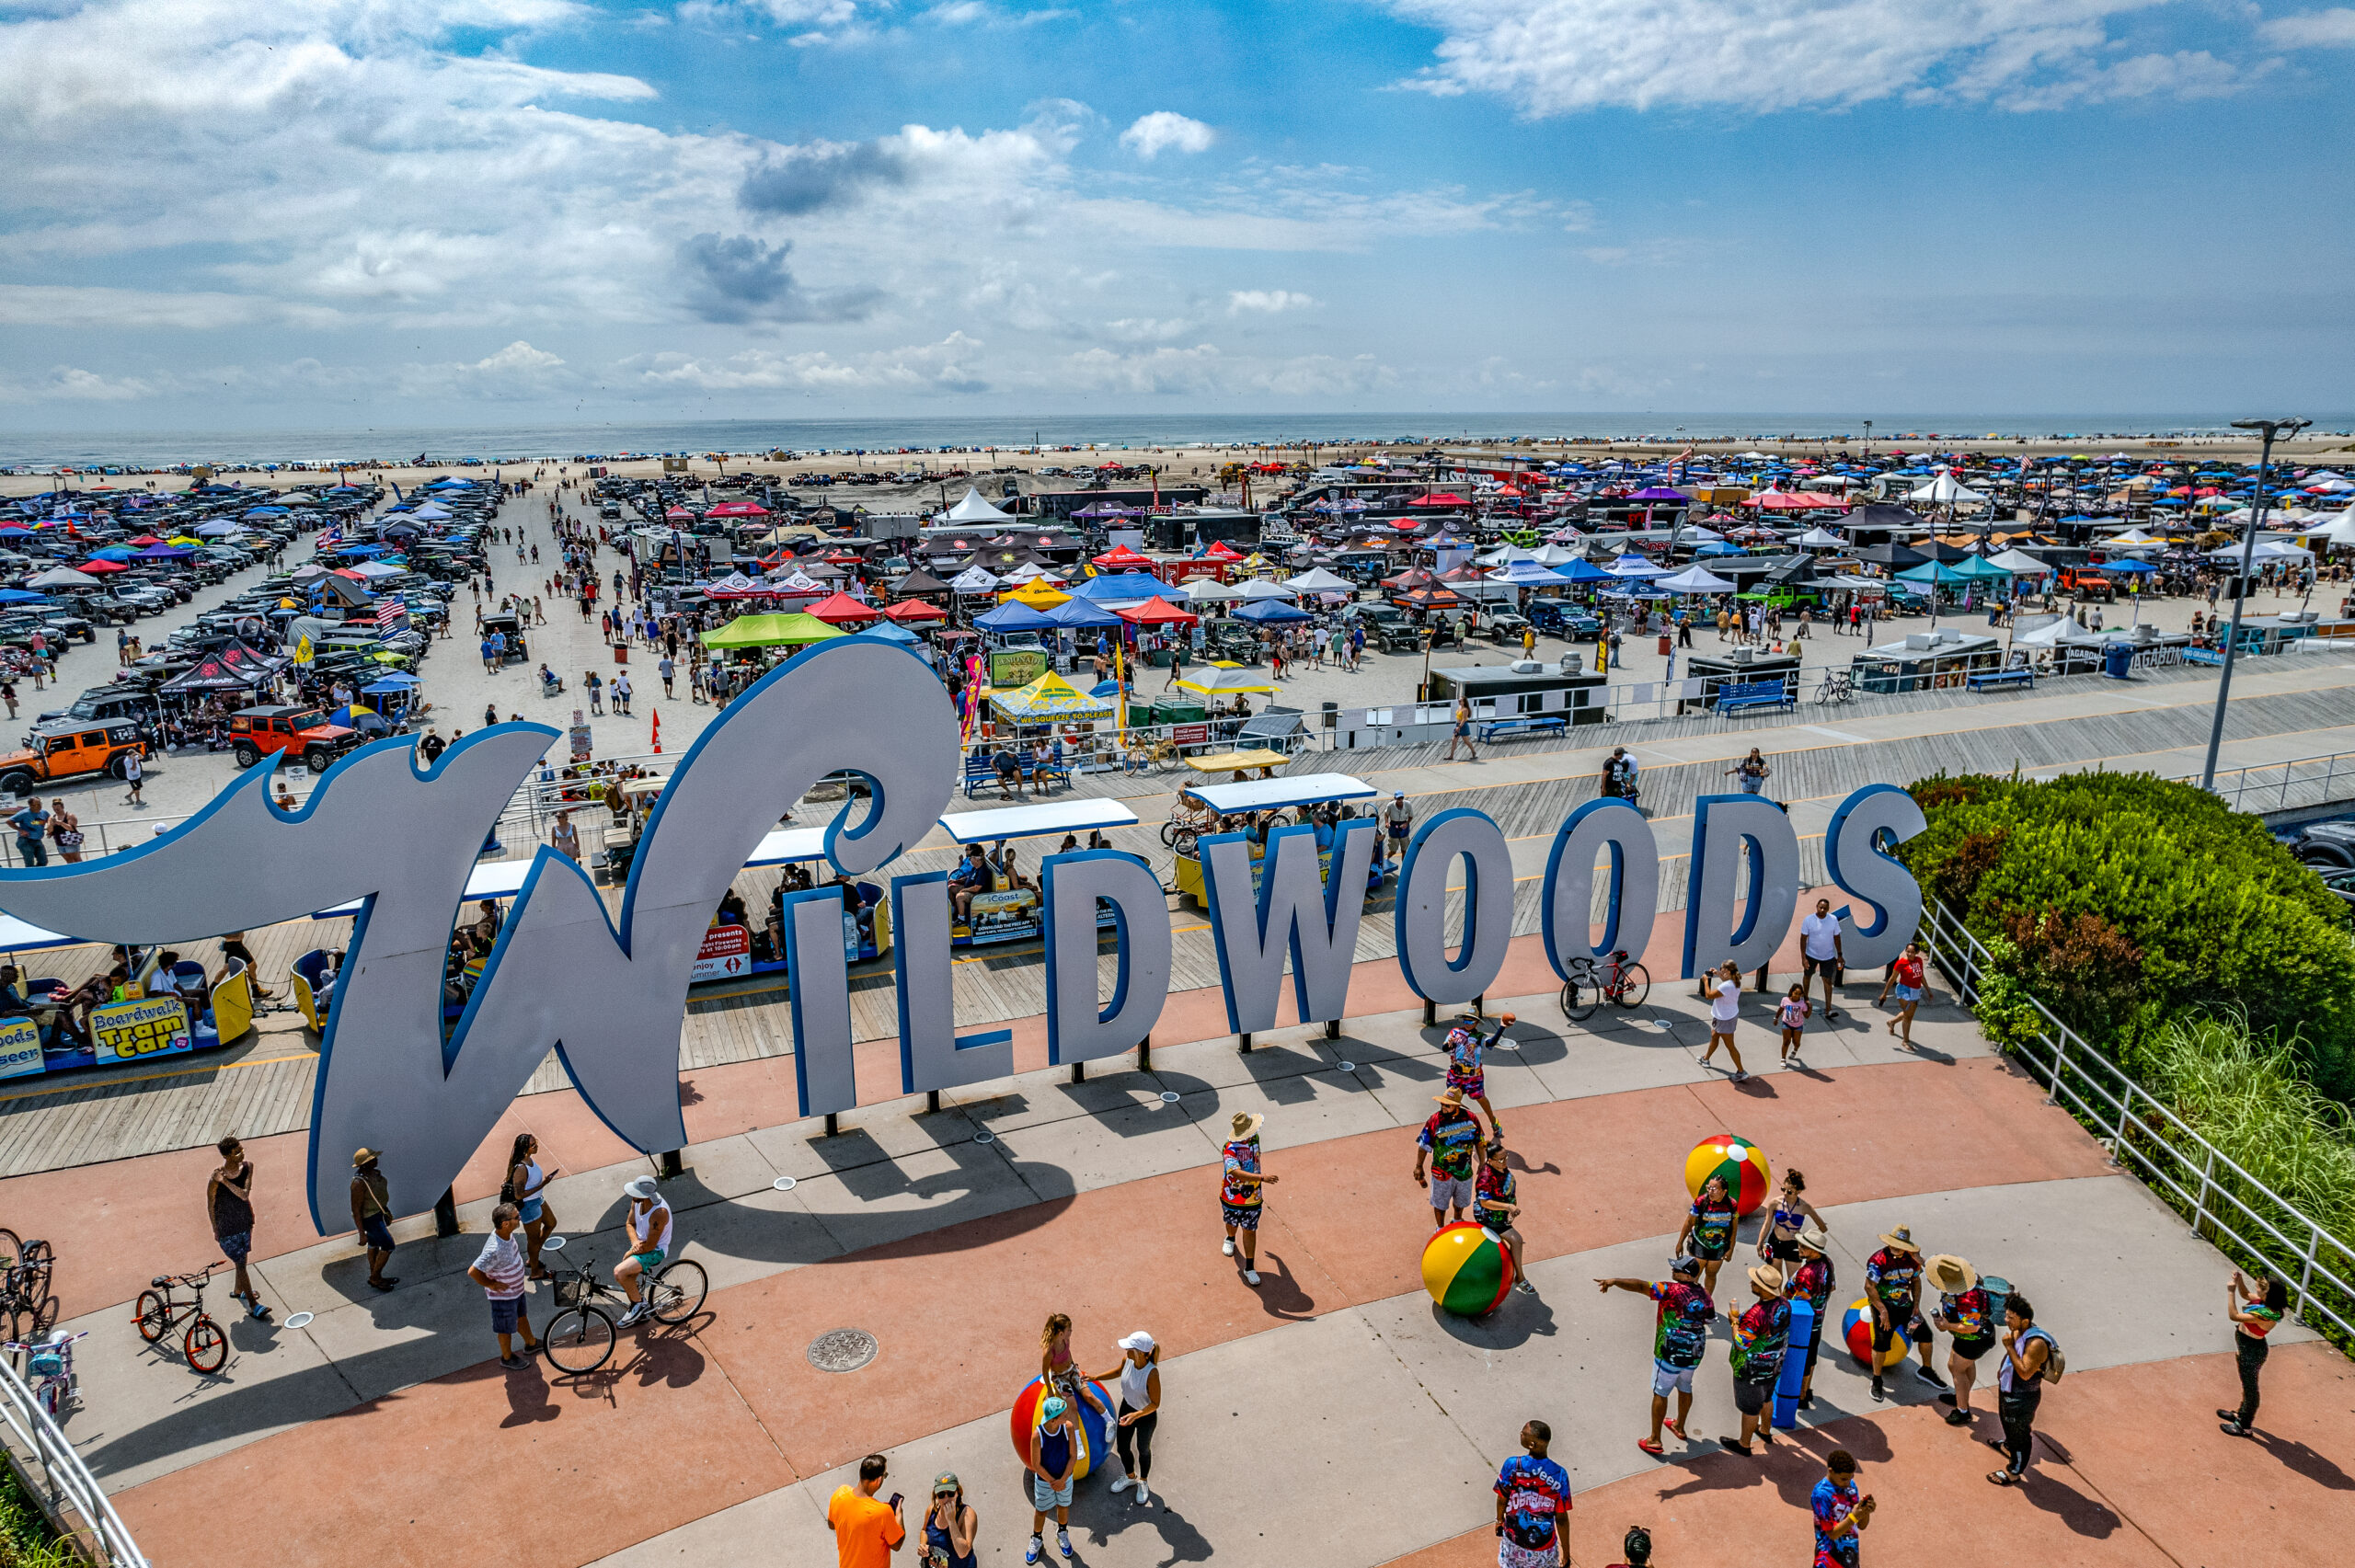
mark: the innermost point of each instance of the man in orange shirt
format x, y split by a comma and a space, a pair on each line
866, 1532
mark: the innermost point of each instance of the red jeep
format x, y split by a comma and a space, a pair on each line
305, 732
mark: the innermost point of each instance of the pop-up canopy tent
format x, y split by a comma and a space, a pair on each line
770, 631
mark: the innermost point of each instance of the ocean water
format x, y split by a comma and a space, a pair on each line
163, 449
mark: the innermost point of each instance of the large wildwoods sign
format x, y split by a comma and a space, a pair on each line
607, 997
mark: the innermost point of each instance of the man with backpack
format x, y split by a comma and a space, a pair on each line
2031, 1359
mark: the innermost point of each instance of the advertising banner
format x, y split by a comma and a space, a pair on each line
727, 952
134, 1031
20, 1047
1016, 666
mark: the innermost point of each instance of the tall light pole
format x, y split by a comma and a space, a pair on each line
2272, 429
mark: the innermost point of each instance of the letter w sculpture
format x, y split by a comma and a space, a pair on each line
561, 977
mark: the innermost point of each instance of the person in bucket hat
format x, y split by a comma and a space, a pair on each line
1240, 1199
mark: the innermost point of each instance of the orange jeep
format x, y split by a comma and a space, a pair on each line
56, 752
305, 732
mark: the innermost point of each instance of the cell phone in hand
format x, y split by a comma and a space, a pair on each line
897, 1498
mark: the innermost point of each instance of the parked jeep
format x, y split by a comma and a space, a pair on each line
303, 732
53, 753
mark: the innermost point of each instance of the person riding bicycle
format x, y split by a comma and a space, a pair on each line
1465, 1047
649, 1224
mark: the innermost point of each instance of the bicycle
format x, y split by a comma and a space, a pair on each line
51, 1361
579, 1338
206, 1348
1620, 981
24, 1269
1838, 686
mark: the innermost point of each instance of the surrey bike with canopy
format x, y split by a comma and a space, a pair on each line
1201, 806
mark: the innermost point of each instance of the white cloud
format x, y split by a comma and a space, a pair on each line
1550, 57
1266, 301
68, 383
948, 365
2334, 28
1163, 131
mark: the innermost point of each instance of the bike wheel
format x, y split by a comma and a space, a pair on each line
578, 1339
1169, 834
12, 1251
154, 1318
1579, 1002
679, 1292
1635, 984
207, 1348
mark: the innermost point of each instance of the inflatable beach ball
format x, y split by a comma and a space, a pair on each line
1093, 1434
1856, 1328
1466, 1270
1742, 1162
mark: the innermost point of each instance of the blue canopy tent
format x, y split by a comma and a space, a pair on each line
166, 553
1582, 570
1013, 617
21, 596
1270, 612
1127, 588
1072, 613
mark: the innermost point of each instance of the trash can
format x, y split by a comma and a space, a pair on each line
2115, 660
1667, 643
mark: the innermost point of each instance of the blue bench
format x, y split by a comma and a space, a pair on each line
981, 772
1524, 724
1995, 680
1775, 694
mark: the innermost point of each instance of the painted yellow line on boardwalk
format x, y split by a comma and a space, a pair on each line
151, 1077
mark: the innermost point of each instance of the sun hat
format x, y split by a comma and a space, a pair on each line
1902, 1238
1813, 1239
1452, 1096
1052, 1408
641, 1186
1137, 1341
1948, 1275
1246, 1124
361, 1156
1767, 1277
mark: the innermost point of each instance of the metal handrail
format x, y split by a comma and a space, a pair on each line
2247, 779
69, 1493
2143, 1130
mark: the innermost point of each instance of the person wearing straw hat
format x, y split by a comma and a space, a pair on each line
1240, 1199
1893, 1286
1762, 1335
1450, 1141
1812, 1276
1965, 1311
372, 1216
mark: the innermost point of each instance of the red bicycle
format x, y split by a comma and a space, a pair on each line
1615, 979
160, 1312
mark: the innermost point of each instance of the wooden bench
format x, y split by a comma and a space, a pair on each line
1995, 680
1775, 694
1523, 724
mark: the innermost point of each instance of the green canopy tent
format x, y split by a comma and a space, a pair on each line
770, 631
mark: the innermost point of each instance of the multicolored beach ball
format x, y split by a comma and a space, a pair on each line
1095, 1439
1466, 1270
1742, 1162
1856, 1328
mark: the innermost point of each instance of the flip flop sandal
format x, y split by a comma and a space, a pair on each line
1654, 1449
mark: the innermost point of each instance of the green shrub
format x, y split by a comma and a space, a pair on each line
26, 1540
2127, 901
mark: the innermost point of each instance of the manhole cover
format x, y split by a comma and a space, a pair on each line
985, 1136
784, 1183
841, 1350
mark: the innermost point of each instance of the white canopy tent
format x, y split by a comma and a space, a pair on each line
972, 509
1696, 580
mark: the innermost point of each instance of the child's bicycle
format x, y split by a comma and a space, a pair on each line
579, 1338
160, 1312
1595, 982
50, 1363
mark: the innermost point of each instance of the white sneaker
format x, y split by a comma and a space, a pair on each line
1144, 1496
636, 1310
1062, 1543
1122, 1484
1250, 1277
1226, 1248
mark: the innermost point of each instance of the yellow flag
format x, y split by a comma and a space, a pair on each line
303, 650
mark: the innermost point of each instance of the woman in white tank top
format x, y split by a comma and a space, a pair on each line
1139, 1402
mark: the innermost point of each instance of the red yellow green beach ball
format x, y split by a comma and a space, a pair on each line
1466, 1270
1742, 1162
1856, 1328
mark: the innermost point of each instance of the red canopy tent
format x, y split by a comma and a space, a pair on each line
679, 514
738, 509
1157, 613
841, 608
1444, 498
1120, 558
1220, 550
102, 567
911, 611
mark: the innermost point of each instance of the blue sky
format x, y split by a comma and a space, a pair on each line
456, 211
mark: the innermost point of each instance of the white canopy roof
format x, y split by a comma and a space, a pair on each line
1261, 589
1210, 590
2266, 550
972, 579
1261, 794
972, 509
1318, 580
1944, 489
2019, 563
1819, 538
62, 576
1695, 579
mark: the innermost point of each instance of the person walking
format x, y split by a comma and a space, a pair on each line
1819, 953
1791, 1014
1680, 1336
1240, 1199
867, 1531
372, 1216
1841, 1513
1967, 1314
1762, 1337
1909, 975
135, 775
499, 1269
1450, 1141
527, 1187
1498, 1194
1462, 733
1725, 1009
622, 692
596, 690
1813, 1277
1053, 1460
1533, 1505
32, 827
647, 1220
667, 669
950, 1525
2256, 1307
1177, 665
1398, 822
1708, 1230
1894, 1285
64, 831
229, 1199
1139, 1399
1752, 771
2020, 1388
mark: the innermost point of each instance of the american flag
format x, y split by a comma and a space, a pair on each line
391, 611
330, 537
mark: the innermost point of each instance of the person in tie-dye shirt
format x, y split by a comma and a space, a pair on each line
1812, 1277
1967, 1313
1465, 1048
1239, 1197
